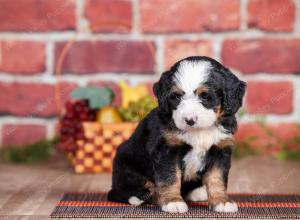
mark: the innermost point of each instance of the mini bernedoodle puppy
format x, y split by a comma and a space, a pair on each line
182, 150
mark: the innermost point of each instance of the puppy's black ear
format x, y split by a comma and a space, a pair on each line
161, 90
162, 86
233, 92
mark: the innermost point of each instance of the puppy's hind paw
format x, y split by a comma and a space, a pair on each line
198, 194
175, 207
226, 207
133, 200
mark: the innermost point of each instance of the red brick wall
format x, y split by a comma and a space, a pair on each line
136, 40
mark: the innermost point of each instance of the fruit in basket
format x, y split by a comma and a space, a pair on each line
71, 123
136, 111
108, 114
132, 94
89, 100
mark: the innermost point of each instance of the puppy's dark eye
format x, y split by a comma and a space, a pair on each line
175, 96
204, 95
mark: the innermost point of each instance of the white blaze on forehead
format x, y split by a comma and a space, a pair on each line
191, 74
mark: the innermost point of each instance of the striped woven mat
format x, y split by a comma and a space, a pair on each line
85, 205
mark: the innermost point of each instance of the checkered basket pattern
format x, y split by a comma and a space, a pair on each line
96, 151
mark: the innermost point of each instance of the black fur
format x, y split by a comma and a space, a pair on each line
147, 157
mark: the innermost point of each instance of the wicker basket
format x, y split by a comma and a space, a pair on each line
96, 151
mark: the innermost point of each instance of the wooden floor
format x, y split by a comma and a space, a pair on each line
31, 192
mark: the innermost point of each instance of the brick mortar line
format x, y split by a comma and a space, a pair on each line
266, 76
217, 48
49, 59
270, 118
296, 104
65, 35
23, 120
6, 77
82, 81
65, 77
297, 18
51, 128
249, 34
82, 24
135, 18
50, 36
273, 118
41, 77
160, 56
10, 119
291, 117
243, 15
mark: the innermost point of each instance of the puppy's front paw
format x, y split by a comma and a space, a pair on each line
225, 207
175, 207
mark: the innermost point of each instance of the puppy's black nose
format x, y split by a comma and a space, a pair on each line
189, 121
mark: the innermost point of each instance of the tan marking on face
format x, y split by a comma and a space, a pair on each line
166, 192
228, 142
172, 139
201, 89
176, 89
215, 186
219, 111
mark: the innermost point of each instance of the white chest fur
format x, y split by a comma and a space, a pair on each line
201, 141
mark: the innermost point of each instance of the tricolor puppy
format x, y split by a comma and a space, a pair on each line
181, 151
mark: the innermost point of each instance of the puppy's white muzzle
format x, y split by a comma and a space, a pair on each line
191, 114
